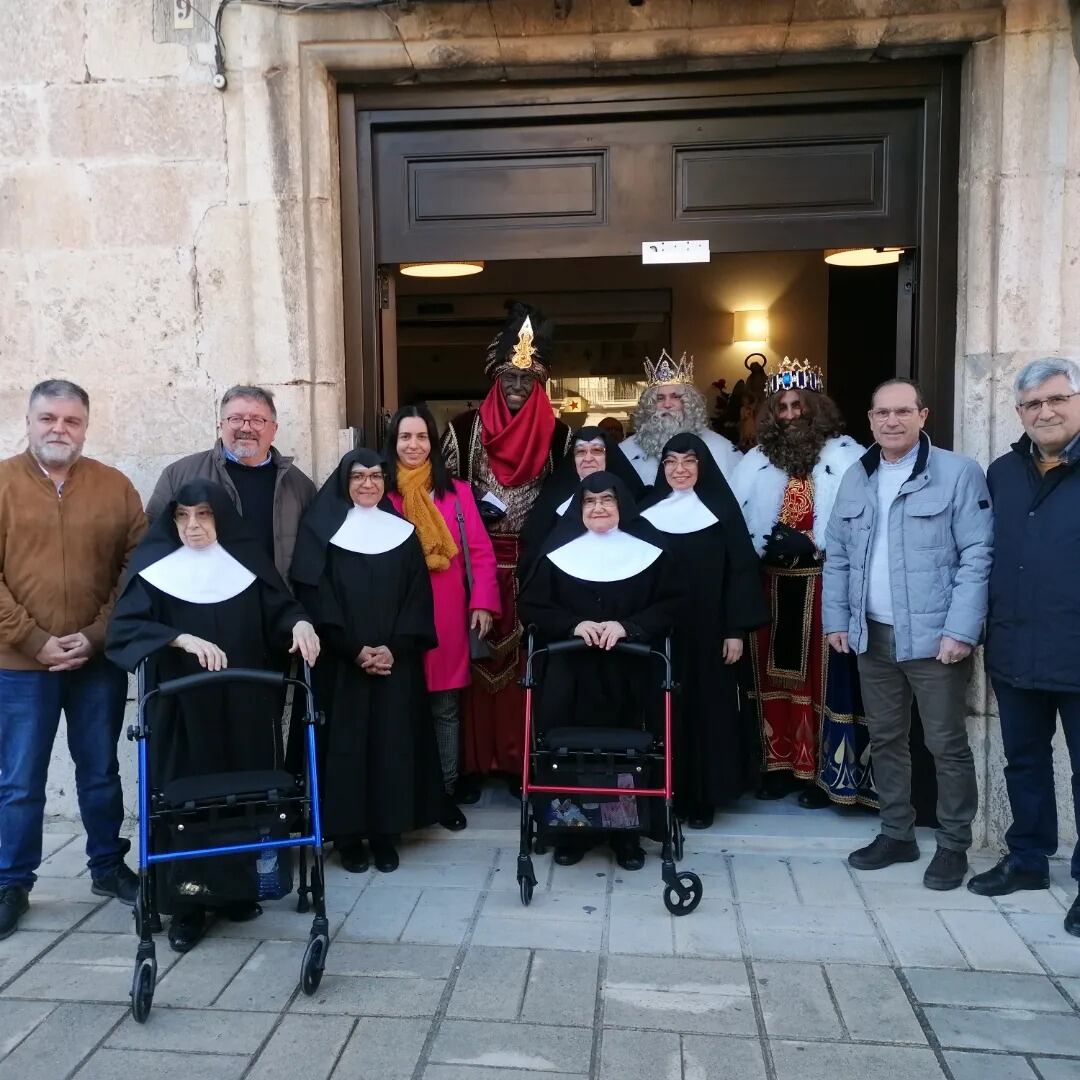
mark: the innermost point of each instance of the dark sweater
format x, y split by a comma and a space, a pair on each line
255, 486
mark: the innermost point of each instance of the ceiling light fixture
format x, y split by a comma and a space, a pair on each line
862, 256
452, 269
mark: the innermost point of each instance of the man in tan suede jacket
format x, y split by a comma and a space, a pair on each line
67, 527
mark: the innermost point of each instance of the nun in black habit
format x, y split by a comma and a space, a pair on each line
201, 592
604, 577
360, 572
592, 450
693, 507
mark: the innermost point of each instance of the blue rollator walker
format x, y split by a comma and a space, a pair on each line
275, 794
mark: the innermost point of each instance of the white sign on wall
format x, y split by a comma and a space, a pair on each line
674, 251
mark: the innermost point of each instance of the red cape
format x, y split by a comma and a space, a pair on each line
517, 444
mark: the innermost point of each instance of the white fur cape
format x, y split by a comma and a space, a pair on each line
759, 486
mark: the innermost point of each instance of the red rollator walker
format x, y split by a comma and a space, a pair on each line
631, 766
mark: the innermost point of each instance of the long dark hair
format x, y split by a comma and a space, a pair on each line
440, 477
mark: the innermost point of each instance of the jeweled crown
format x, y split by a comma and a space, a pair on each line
666, 370
796, 375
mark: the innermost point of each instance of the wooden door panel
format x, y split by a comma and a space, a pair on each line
802, 178
508, 189
748, 181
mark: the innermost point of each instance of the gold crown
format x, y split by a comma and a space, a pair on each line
522, 356
796, 375
665, 370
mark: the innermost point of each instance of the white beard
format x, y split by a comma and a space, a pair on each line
654, 434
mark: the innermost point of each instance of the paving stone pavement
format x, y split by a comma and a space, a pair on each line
794, 967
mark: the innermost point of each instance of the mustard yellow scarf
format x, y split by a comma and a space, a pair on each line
424, 516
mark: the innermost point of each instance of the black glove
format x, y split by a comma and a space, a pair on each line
786, 546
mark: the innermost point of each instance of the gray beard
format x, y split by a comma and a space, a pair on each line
53, 455
653, 435
245, 450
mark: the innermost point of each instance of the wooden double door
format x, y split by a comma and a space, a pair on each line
802, 159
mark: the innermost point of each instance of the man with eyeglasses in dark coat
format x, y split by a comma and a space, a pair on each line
1033, 635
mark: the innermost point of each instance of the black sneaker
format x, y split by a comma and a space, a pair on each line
946, 870
14, 900
450, 816
186, 930
354, 858
122, 884
243, 911
1072, 918
467, 790
884, 851
569, 853
384, 855
628, 852
1007, 878
814, 798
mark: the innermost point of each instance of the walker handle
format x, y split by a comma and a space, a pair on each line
573, 644
207, 678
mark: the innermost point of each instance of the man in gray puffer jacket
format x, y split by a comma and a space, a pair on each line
908, 555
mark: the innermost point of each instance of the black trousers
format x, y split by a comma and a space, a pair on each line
1028, 723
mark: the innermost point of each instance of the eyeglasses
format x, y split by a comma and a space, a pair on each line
237, 422
600, 500
906, 413
366, 478
1035, 405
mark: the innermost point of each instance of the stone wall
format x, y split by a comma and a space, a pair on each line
160, 240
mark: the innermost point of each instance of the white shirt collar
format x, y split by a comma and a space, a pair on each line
199, 575
610, 556
680, 512
371, 531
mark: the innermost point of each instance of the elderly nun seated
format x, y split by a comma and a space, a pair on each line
201, 592
603, 577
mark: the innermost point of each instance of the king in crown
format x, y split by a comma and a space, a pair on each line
811, 734
669, 405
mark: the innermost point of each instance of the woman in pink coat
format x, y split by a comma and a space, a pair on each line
421, 489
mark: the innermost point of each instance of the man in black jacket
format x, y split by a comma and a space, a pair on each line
1033, 635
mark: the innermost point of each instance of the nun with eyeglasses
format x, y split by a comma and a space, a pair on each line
359, 571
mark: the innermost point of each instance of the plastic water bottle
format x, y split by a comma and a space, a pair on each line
266, 870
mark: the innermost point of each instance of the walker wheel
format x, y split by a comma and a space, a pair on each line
142, 989
526, 890
311, 969
689, 899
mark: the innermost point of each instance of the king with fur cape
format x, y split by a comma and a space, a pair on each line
806, 713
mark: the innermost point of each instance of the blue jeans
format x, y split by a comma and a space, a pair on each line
92, 699
1028, 723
